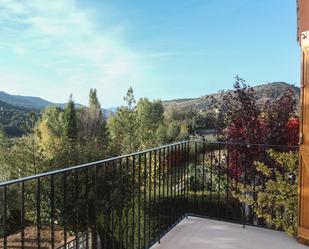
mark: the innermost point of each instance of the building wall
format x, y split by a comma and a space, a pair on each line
303, 16
303, 26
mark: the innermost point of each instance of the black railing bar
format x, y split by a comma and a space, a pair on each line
149, 199
52, 210
76, 207
5, 232
112, 203
64, 213
38, 212
95, 207
22, 215
133, 202
87, 207
139, 202
164, 232
49, 173
27, 178
145, 196
120, 211
126, 199
246, 144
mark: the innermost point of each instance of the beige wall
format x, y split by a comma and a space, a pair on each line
303, 223
303, 16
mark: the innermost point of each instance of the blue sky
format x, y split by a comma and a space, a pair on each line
162, 48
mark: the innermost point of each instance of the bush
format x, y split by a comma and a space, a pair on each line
274, 198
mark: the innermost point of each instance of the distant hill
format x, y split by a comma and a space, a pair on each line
109, 111
15, 109
29, 101
13, 118
264, 92
36, 103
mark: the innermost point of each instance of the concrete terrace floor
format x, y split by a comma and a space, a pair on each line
198, 233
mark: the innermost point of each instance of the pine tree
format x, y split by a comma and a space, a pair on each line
92, 124
129, 98
93, 99
69, 120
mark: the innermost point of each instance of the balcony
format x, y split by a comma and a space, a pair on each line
136, 200
200, 233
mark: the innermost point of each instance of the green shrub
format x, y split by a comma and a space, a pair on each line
274, 198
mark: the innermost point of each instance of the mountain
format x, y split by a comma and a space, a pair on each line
13, 118
14, 109
109, 111
36, 103
264, 92
29, 101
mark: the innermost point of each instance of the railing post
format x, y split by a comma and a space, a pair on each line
38, 212
187, 165
195, 176
166, 186
5, 217
52, 210
245, 184
22, 215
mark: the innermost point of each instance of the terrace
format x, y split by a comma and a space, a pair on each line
203, 233
147, 199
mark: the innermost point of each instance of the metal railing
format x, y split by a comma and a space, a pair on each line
129, 201
224, 175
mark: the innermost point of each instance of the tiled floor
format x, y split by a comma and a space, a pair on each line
197, 233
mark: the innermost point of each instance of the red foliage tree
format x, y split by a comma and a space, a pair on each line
250, 125
292, 131
279, 124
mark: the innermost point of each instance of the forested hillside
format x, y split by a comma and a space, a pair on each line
29, 102
14, 119
195, 113
263, 93
58, 137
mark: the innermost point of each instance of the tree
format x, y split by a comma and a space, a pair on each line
281, 122
243, 114
129, 98
183, 133
122, 126
275, 198
91, 123
292, 134
69, 120
92, 131
93, 99
206, 120
23, 156
4, 151
277, 203
187, 115
57, 136
50, 130
173, 131
136, 127
149, 119
249, 123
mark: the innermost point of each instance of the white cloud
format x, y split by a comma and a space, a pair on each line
158, 55
59, 36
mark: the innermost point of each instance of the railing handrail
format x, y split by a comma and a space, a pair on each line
248, 144
147, 196
81, 166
